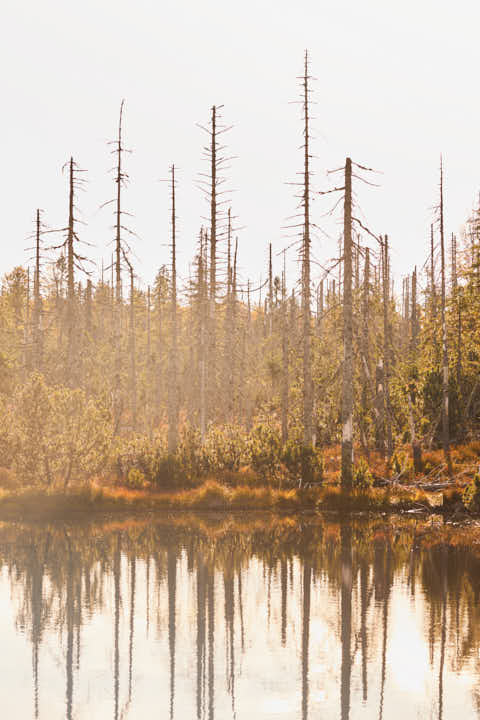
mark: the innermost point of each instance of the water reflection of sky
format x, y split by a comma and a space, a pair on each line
192, 633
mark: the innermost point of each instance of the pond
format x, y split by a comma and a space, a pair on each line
244, 617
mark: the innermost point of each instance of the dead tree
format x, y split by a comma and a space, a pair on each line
365, 352
347, 386
411, 391
445, 393
210, 184
74, 261
202, 295
458, 307
270, 290
284, 357
133, 371
121, 250
173, 361
306, 309
387, 345
37, 301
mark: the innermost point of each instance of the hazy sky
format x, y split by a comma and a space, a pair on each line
396, 84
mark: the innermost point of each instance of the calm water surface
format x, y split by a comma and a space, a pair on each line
237, 618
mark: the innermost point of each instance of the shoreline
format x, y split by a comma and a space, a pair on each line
91, 502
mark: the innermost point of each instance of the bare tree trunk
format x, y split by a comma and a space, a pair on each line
203, 322
445, 409
173, 383
117, 401
411, 394
284, 358
234, 334
365, 349
270, 290
307, 330
37, 302
133, 370
228, 336
70, 279
347, 387
457, 302
212, 350
387, 347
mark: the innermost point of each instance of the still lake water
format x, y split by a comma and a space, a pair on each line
242, 618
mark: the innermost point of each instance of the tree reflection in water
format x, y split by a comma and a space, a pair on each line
243, 638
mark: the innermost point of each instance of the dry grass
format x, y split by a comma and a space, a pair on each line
85, 502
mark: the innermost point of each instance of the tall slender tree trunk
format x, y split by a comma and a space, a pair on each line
445, 392
37, 302
173, 384
117, 306
284, 359
270, 290
365, 350
70, 278
203, 324
133, 369
306, 311
347, 387
411, 393
387, 345
212, 330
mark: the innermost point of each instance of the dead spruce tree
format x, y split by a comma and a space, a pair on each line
210, 184
306, 307
303, 226
36, 350
202, 325
387, 345
74, 261
445, 398
173, 359
347, 386
121, 251
131, 343
348, 373
284, 399
412, 389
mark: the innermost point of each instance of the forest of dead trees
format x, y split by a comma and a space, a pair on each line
346, 355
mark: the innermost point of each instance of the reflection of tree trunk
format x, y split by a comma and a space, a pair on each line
116, 652
283, 585
70, 608
211, 641
346, 632
363, 627
431, 633
229, 591
307, 576
240, 607
38, 570
386, 598
172, 592
444, 633
147, 612
201, 628
132, 625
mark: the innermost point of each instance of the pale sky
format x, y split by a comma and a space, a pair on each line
396, 84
